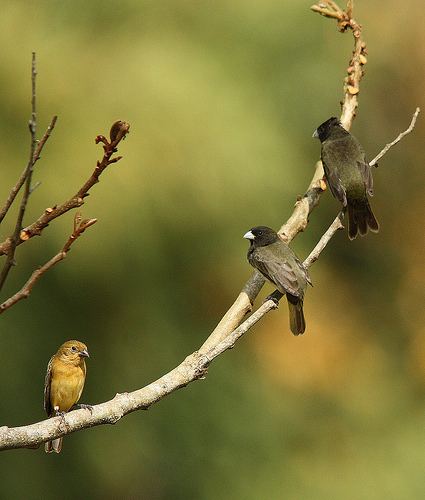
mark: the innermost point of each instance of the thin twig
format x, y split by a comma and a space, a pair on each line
230, 340
324, 240
16, 188
397, 139
305, 205
195, 366
269, 305
325, 11
79, 227
358, 60
44, 139
337, 223
51, 213
10, 261
349, 8
334, 6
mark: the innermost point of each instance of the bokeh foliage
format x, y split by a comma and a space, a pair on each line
222, 98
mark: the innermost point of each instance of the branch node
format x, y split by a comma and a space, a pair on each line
24, 235
195, 366
79, 227
114, 160
101, 138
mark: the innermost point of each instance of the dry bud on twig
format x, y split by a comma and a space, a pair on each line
36, 228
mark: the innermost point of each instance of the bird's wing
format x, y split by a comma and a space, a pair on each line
366, 173
47, 405
333, 179
304, 270
276, 268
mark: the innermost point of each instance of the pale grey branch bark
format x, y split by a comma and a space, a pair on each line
324, 240
224, 337
298, 221
194, 367
397, 139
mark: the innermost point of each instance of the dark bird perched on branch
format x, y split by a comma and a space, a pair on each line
279, 264
65, 377
348, 175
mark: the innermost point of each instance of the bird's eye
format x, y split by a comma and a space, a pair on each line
260, 233
73, 348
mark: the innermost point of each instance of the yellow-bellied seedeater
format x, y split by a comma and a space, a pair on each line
65, 377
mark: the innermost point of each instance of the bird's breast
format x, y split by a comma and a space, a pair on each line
66, 386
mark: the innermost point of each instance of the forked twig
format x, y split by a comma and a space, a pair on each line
79, 227
118, 132
228, 331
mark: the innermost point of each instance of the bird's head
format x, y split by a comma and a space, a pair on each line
73, 351
261, 236
325, 130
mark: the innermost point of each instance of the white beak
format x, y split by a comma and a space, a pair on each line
315, 134
249, 236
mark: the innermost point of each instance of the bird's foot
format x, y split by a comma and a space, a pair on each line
274, 297
61, 414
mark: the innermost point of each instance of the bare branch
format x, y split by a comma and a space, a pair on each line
305, 205
194, 367
16, 188
397, 139
225, 335
349, 8
10, 261
79, 227
328, 9
44, 139
324, 240
51, 213
355, 71
33, 122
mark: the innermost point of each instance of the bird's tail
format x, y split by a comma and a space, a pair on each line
296, 314
360, 218
55, 445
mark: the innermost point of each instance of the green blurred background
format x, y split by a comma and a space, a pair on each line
222, 98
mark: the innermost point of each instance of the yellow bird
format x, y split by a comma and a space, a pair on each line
65, 377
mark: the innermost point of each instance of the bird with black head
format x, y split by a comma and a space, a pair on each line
277, 262
348, 175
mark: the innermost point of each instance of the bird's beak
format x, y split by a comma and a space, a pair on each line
249, 236
315, 134
84, 354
